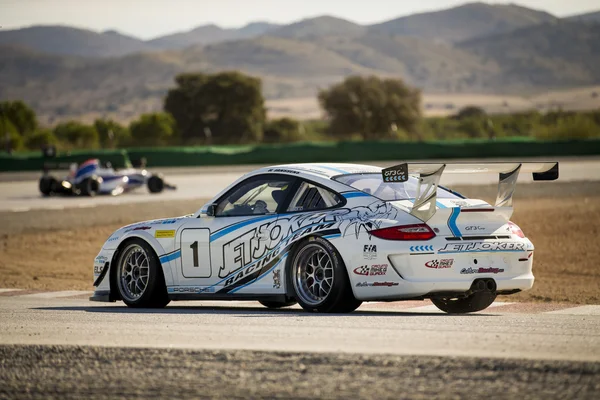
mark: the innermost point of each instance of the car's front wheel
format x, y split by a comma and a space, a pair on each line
318, 277
475, 302
139, 276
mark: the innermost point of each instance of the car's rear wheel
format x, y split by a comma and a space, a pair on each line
318, 278
277, 304
89, 186
139, 276
475, 302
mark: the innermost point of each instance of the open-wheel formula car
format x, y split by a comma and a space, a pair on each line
91, 178
330, 236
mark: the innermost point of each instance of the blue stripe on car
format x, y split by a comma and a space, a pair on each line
452, 222
170, 257
241, 224
350, 195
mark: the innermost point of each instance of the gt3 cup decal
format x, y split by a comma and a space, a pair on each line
481, 247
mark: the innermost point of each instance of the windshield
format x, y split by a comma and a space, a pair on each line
374, 185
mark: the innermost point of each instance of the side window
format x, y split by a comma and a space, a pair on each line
311, 197
255, 196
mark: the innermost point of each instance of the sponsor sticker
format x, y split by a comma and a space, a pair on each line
370, 251
276, 278
373, 270
164, 234
377, 284
482, 246
439, 264
489, 270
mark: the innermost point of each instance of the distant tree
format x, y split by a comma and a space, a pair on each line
372, 107
110, 133
282, 130
155, 129
225, 108
21, 116
470, 112
40, 138
77, 134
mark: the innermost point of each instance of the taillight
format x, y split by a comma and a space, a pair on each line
516, 230
405, 232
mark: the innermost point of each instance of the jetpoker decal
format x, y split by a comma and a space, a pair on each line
249, 256
440, 264
372, 270
482, 247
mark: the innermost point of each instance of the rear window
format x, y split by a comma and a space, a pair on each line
374, 185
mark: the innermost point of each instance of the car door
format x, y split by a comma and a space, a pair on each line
230, 248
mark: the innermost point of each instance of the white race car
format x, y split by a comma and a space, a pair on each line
330, 236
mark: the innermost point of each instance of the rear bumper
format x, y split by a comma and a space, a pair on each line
389, 270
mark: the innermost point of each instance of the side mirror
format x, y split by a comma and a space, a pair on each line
211, 210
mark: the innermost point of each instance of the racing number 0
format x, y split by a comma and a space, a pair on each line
194, 247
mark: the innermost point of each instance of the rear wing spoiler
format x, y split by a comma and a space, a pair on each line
429, 175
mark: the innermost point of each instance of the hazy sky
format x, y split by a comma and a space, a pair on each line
150, 18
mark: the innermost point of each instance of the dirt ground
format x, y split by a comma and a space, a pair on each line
54, 250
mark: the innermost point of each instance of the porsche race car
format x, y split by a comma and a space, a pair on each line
91, 178
330, 236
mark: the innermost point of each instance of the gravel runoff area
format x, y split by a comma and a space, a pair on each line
61, 372
54, 249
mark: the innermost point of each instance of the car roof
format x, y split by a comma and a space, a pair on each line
322, 170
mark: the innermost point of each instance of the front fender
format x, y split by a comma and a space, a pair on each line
168, 267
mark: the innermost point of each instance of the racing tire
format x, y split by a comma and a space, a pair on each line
139, 277
89, 187
48, 185
475, 302
277, 304
317, 277
156, 184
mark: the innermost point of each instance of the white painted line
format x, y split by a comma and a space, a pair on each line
84, 205
20, 209
9, 290
581, 310
54, 295
434, 308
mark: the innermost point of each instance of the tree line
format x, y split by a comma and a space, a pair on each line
228, 108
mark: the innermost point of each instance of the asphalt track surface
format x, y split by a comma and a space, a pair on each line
19, 192
65, 347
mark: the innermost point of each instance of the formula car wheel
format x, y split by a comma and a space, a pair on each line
318, 278
155, 184
48, 185
475, 302
277, 304
89, 187
139, 276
